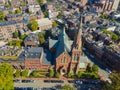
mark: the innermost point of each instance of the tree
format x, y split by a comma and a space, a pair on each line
7, 5
17, 73
89, 69
54, 24
115, 84
46, 13
57, 74
15, 34
6, 77
41, 38
41, 3
2, 16
23, 36
33, 25
69, 75
68, 87
95, 68
51, 73
18, 11
60, 15
24, 73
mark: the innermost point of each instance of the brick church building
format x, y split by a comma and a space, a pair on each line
68, 53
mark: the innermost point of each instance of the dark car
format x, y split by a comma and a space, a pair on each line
47, 81
17, 81
71, 81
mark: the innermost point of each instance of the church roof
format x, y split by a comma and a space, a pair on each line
64, 44
53, 43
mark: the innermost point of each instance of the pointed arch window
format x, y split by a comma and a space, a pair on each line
75, 57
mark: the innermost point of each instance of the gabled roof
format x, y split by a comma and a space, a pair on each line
64, 44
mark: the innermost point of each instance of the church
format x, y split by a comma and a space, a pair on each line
67, 57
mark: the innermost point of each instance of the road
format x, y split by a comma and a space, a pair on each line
39, 84
102, 72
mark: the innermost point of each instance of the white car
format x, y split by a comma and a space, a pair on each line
109, 71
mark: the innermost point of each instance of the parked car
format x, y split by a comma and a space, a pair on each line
17, 81
47, 81
71, 81
108, 70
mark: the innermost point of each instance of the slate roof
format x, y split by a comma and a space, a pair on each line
33, 52
53, 43
32, 37
47, 57
64, 44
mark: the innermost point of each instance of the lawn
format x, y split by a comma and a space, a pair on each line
9, 57
39, 74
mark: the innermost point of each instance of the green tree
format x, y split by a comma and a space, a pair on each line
17, 73
23, 36
68, 87
7, 5
51, 73
41, 3
33, 25
89, 68
24, 73
41, 38
6, 77
57, 74
60, 15
2, 16
95, 68
15, 34
69, 75
54, 24
45, 13
115, 84
18, 11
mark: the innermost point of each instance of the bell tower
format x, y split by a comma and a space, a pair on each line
76, 50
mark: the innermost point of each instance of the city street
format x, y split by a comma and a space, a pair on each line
39, 84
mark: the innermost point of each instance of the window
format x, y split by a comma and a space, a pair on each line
64, 59
75, 57
61, 60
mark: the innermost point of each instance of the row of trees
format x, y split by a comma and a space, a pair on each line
53, 74
19, 73
91, 72
114, 36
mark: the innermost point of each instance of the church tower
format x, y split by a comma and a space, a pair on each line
76, 50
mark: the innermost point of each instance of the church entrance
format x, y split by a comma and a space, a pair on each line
63, 71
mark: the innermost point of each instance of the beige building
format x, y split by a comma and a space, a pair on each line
44, 23
7, 29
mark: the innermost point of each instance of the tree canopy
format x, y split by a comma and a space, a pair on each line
33, 25
68, 87
6, 77
18, 11
51, 73
15, 34
41, 3
2, 16
57, 74
54, 24
115, 37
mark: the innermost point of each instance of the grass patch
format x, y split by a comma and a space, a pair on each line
9, 57
39, 74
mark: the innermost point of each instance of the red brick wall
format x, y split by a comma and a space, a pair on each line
59, 64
